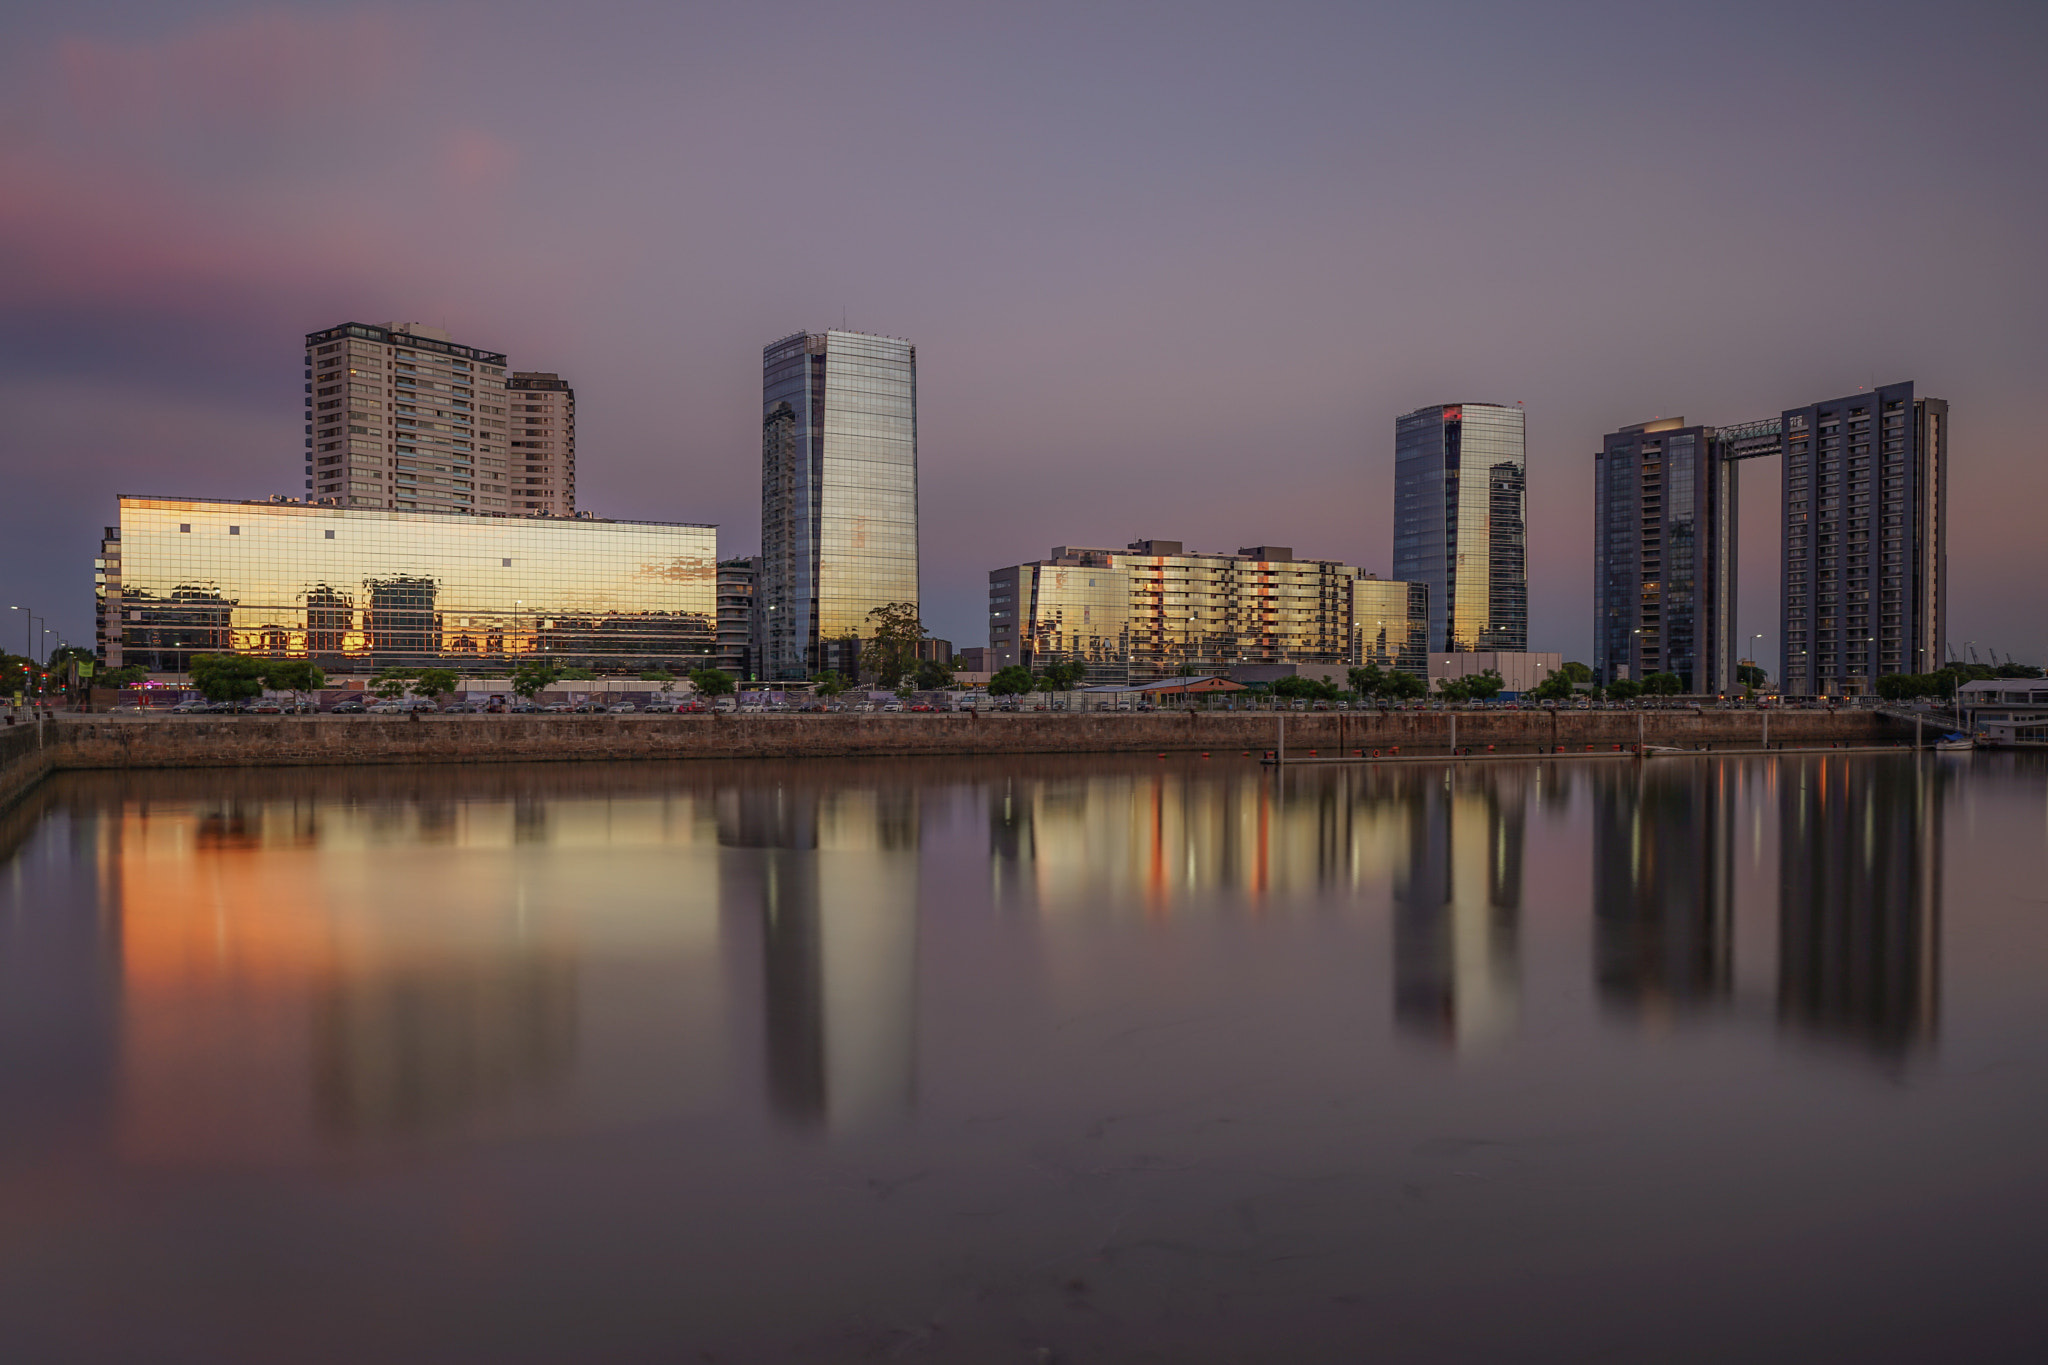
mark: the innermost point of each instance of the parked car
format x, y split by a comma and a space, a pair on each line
524, 708
386, 708
266, 708
348, 708
186, 708
624, 708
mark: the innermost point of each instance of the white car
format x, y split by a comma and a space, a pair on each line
624, 708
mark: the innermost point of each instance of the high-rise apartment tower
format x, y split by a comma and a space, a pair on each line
543, 429
399, 416
838, 495
1459, 512
1663, 555
1866, 541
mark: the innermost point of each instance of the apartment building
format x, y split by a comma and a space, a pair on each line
542, 424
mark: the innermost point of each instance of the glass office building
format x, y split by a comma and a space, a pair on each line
1153, 610
838, 495
1866, 541
1459, 516
355, 590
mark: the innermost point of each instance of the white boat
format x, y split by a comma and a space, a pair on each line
1954, 743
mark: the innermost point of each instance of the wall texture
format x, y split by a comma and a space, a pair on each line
261, 741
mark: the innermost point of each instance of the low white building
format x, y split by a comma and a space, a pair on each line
1518, 672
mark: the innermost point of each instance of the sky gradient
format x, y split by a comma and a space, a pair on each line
1172, 270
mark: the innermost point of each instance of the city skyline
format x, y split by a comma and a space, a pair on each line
626, 238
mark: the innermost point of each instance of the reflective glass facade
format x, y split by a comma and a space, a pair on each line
1152, 610
1663, 556
1459, 523
1866, 531
838, 494
1392, 618
357, 590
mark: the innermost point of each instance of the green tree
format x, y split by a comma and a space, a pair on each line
1484, 686
1749, 675
227, 677
829, 683
1555, 687
391, 683
712, 682
533, 677
1013, 680
579, 674
1577, 672
436, 682
932, 676
1624, 689
1064, 674
1400, 686
1304, 689
1368, 681
119, 677
296, 676
1664, 685
890, 647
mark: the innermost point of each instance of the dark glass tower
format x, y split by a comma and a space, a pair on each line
1866, 541
1663, 555
838, 495
1459, 514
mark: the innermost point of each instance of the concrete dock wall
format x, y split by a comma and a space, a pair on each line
263, 741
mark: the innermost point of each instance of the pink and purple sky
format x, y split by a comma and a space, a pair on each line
1172, 269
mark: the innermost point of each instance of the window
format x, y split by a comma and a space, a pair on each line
330, 535
506, 563
234, 530
186, 527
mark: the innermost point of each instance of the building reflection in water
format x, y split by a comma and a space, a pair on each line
1457, 902
1663, 885
835, 871
1859, 900
1450, 843
296, 974
1152, 842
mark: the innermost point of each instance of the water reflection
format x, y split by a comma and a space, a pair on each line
283, 964
836, 877
1663, 886
1859, 901
1457, 902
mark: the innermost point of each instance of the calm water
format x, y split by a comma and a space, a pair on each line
1028, 1061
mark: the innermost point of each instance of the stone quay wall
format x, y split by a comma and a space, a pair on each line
83, 742
27, 755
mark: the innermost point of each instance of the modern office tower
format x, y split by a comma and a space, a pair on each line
1664, 555
542, 424
356, 589
838, 495
1152, 610
1459, 512
399, 416
1866, 543
736, 616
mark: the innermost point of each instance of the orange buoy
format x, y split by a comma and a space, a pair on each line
1205, 753
1375, 753
1162, 755
1489, 748
1311, 753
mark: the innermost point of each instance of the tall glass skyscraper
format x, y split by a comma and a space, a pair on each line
1459, 509
838, 495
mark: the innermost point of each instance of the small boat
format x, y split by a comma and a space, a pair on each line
1955, 742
